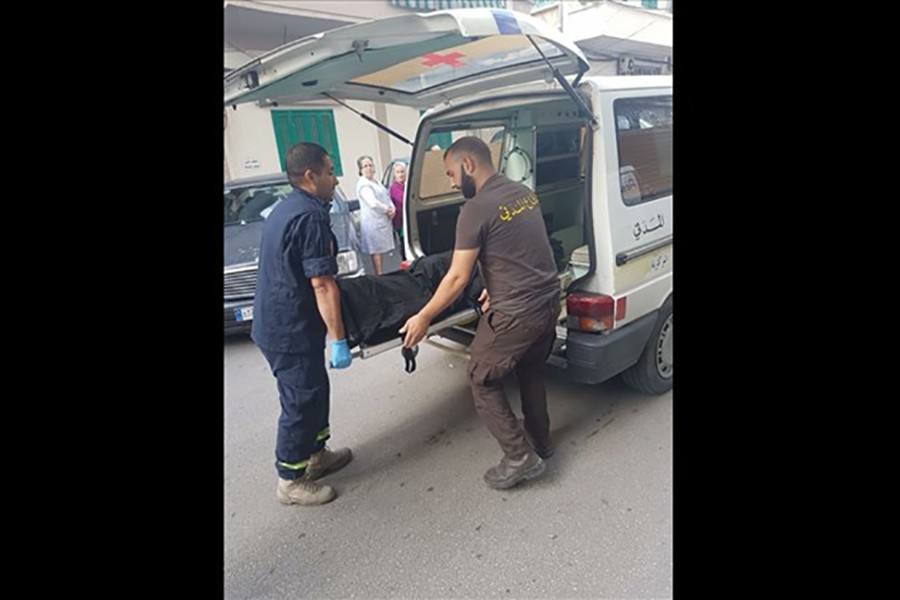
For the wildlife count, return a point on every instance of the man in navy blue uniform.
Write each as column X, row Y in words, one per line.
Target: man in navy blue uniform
column 297, row 301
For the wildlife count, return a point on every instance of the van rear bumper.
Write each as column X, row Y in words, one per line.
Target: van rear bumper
column 594, row 358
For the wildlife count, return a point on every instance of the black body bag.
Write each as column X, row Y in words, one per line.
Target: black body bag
column 375, row 307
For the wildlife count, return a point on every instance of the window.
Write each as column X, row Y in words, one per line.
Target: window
column 253, row 202
column 294, row 126
column 644, row 139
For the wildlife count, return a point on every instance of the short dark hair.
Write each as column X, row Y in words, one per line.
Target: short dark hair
column 472, row 146
column 303, row 156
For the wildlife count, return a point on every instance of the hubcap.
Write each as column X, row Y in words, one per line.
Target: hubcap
column 664, row 350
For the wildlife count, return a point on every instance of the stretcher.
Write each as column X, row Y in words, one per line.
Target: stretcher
column 464, row 317
column 469, row 315
column 375, row 308
column 450, row 332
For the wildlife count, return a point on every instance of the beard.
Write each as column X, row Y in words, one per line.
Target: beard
column 467, row 185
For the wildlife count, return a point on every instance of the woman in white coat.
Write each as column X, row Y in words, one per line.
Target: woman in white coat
column 376, row 212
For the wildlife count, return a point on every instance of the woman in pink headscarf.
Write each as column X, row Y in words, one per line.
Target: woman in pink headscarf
column 397, row 190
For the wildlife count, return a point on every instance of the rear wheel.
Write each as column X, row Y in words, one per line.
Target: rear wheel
column 652, row 373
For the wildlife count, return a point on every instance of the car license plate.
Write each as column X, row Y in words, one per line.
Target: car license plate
column 243, row 314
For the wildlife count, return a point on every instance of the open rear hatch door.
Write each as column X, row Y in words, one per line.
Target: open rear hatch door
column 416, row 60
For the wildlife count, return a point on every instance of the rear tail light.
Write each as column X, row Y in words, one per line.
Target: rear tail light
column 593, row 312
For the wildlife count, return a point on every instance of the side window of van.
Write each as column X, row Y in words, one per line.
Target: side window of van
column 644, row 140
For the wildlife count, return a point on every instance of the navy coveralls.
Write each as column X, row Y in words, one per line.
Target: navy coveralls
column 297, row 244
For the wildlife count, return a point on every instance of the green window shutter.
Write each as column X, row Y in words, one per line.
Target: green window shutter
column 282, row 123
column 649, row 3
column 441, row 139
column 329, row 140
column 294, row 126
column 306, row 125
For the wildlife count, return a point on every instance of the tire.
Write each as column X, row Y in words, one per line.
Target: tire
column 652, row 373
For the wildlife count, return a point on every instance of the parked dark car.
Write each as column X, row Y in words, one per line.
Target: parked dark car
column 247, row 204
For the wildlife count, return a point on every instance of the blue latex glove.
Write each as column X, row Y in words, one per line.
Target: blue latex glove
column 340, row 354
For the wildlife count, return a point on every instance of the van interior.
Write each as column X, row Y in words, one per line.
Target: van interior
column 543, row 144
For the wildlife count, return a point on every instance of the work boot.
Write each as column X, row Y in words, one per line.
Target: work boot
column 303, row 491
column 508, row 473
column 327, row 461
column 544, row 449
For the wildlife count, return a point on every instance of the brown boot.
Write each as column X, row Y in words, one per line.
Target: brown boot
column 508, row 473
column 327, row 461
column 303, row 491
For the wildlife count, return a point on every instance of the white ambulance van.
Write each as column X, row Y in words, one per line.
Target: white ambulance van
column 596, row 150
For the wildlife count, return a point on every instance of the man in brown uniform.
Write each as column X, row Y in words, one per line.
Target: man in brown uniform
column 501, row 226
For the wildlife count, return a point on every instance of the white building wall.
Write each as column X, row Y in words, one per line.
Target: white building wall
column 357, row 137
column 651, row 27
column 404, row 121
column 251, row 149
